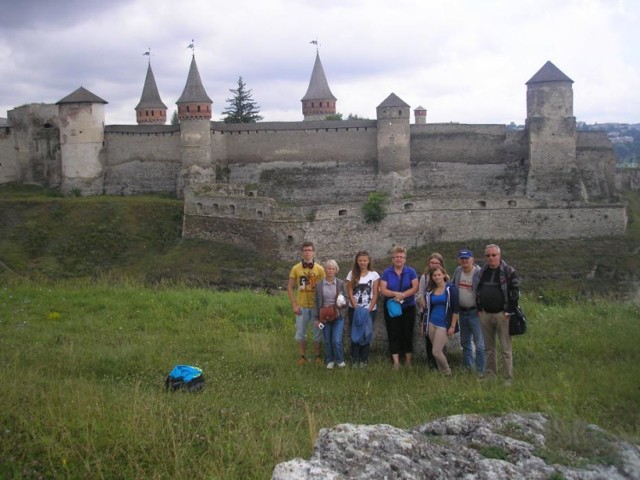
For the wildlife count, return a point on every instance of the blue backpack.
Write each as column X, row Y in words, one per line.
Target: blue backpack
column 184, row 377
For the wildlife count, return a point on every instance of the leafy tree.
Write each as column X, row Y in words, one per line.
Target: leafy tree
column 354, row 116
column 241, row 108
column 334, row 116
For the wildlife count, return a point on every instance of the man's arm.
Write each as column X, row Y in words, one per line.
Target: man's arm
column 292, row 295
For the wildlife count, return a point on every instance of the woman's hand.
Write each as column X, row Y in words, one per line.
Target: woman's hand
column 451, row 331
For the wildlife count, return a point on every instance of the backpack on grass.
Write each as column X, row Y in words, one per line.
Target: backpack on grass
column 184, row 377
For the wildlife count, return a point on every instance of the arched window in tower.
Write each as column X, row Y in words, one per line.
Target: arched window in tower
column 320, row 104
column 187, row 108
column 198, row 108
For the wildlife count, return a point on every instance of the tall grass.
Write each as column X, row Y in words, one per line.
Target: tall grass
column 84, row 362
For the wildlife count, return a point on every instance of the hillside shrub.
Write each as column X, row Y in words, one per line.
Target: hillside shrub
column 374, row 209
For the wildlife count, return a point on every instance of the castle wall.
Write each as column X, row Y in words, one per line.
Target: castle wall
column 142, row 159
column 32, row 154
column 153, row 143
column 453, row 159
column 339, row 230
column 460, row 143
column 596, row 162
column 334, row 141
column 303, row 162
column 9, row 169
column 628, row 178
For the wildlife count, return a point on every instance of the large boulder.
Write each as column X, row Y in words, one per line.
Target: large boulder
column 460, row 446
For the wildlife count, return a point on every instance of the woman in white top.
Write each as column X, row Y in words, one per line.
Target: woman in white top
column 362, row 285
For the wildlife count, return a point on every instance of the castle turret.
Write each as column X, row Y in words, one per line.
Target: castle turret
column 318, row 102
column 194, row 113
column 551, row 126
column 420, row 114
column 81, row 117
column 394, row 148
column 150, row 110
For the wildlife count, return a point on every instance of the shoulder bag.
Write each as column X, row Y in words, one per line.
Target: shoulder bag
column 517, row 322
column 329, row 313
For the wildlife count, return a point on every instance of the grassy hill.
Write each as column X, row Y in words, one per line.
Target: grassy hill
column 46, row 236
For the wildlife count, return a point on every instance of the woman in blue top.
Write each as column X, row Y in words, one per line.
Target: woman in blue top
column 441, row 314
column 399, row 283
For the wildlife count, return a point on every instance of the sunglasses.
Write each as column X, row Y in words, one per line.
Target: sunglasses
column 492, row 254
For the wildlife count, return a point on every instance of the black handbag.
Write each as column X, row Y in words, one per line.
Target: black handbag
column 517, row 322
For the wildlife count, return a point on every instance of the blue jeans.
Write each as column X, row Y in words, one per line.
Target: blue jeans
column 333, row 340
column 360, row 353
column 470, row 328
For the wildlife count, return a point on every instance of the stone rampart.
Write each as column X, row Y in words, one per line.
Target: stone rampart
column 155, row 143
column 9, row 170
column 596, row 162
column 339, row 230
column 141, row 159
column 628, row 178
column 317, row 142
column 458, row 143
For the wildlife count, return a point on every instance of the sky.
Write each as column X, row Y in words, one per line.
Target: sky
column 465, row 61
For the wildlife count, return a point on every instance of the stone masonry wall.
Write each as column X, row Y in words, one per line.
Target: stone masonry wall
column 9, row 169
column 141, row 159
column 316, row 142
column 339, row 230
column 596, row 162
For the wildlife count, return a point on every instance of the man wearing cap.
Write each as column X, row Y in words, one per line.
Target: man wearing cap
column 466, row 279
column 497, row 297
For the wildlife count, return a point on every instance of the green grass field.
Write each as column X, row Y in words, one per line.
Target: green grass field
column 84, row 364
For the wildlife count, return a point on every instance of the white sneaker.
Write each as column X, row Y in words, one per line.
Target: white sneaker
column 330, row 365
column 342, row 365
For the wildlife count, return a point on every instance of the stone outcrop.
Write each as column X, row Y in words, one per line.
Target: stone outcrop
column 460, row 446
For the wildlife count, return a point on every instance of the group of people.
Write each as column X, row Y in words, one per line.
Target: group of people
column 476, row 301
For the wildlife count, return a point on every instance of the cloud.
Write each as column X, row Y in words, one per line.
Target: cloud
column 465, row 61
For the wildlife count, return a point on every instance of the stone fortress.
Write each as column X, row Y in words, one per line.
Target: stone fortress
column 271, row 185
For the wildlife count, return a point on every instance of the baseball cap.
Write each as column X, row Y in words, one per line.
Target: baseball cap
column 465, row 253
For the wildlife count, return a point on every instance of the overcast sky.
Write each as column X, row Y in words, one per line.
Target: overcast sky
column 465, row 61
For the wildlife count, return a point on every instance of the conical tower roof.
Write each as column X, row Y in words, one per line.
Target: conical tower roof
column 318, row 85
column 549, row 73
column 194, row 91
column 150, row 95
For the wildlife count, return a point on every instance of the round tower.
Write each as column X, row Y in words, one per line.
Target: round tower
column 551, row 128
column 81, row 117
column 318, row 102
column 151, row 110
column 420, row 114
column 194, row 113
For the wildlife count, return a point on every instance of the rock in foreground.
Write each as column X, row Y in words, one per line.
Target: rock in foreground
column 460, row 446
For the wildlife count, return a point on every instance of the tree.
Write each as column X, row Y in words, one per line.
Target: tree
column 174, row 118
column 241, row 108
column 334, row 116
